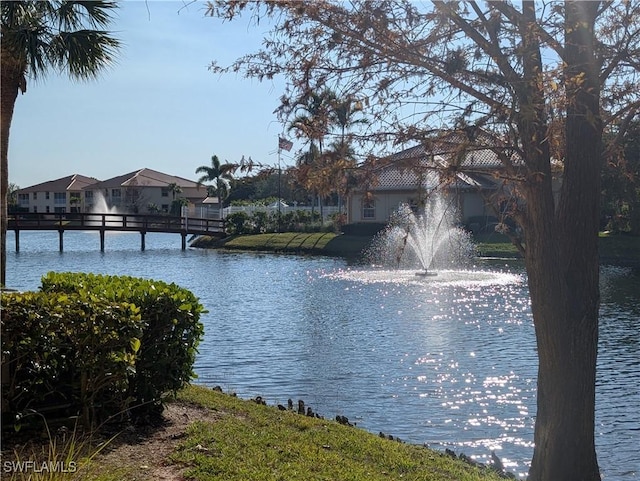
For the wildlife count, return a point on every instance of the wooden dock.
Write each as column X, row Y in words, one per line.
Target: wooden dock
column 141, row 223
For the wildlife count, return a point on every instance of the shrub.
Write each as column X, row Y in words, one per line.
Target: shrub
column 261, row 222
column 115, row 343
column 237, row 223
column 68, row 353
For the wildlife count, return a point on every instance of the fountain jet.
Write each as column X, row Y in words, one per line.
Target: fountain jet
column 426, row 239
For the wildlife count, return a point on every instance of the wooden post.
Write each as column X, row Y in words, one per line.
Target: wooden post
column 61, row 239
column 184, row 240
column 17, row 240
column 102, row 238
column 142, row 233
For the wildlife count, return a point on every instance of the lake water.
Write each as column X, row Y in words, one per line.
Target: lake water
column 449, row 361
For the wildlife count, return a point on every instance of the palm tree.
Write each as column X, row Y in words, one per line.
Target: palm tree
column 220, row 176
column 174, row 188
column 341, row 160
column 314, row 117
column 343, row 113
column 313, row 123
column 153, row 208
column 177, row 205
column 12, row 195
column 38, row 37
column 342, row 153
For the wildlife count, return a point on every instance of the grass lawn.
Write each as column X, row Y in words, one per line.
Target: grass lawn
column 495, row 245
column 209, row 435
column 615, row 249
column 250, row 441
column 327, row 243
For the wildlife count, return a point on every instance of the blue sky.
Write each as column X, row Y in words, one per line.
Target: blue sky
column 159, row 107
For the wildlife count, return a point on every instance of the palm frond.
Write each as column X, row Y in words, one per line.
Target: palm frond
column 83, row 53
column 59, row 35
column 74, row 14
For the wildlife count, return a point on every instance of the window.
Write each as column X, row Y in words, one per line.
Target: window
column 165, row 208
column 46, row 195
column 165, row 192
column 47, row 209
column 35, row 208
column 35, row 196
column 132, row 195
column 368, row 209
column 116, row 196
column 88, row 195
column 59, row 210
column 60, row 198
column 23, row 199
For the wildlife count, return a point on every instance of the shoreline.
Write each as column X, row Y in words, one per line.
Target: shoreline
column 620, row 250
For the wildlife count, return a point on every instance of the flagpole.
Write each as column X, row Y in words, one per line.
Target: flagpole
column 279, row 194
column 285, row 144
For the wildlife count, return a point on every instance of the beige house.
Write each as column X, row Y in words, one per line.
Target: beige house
column 143, row 191
column 147, row 191
column 55, row 196
column 465, row 175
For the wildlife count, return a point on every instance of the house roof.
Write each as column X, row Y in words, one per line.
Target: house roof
column 419, row 166
column 145, row 178
column 456, row 148
column 191, row 190
column 73, row 182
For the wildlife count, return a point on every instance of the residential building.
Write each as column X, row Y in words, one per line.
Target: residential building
column 55, row 196
column 143, row 191
column 469, row 174
column 147, row 191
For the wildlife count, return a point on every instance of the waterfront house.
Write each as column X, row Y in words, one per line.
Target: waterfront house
column 55, row 196
column 147, row 191
column 470, row 173
column 144, row 191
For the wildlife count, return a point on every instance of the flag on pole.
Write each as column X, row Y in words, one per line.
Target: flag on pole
column 284, row 144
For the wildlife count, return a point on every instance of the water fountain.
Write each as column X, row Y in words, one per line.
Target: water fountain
column 101, row 207
column 423, row 240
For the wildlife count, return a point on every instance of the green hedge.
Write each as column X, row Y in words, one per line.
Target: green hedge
column 261, row 222
column 98, row 345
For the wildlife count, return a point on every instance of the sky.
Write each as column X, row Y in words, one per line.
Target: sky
column 159, row 107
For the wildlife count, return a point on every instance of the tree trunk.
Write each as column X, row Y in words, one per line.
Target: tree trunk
column 563, row 269
column 11, row 78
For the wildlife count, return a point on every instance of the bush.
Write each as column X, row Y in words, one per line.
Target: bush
column 68, row 353
column 118, row 343
column 261, row 222
column 237, row 223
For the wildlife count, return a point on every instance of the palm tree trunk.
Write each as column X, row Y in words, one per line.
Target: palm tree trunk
column 12, row 79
